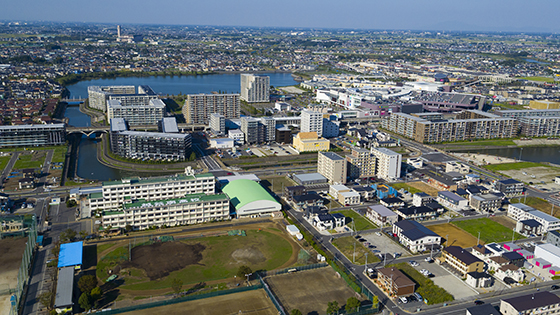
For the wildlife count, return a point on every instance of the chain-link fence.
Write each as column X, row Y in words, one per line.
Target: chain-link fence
column 25, row 267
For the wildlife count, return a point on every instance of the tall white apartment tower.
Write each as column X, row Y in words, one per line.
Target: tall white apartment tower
column 255, row 89
column 312, row 121
column 388, row 163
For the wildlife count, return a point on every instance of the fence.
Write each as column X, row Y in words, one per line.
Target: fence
column 182, row 299
column 272, row 297
column 299, row 268
column 23, row 272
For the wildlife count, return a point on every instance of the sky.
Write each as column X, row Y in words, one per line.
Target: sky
column 437, row 15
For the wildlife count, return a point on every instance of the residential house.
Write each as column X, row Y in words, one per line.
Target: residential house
column 543, row 302
column 452, row 201
column 415, row 236
column 416, row 213
column 510, row 187
column 394, row 282
column 392, row 202
column 479, row 279
column 381, row 215
column 510, row 271
column 421, row 198
column 461, row 260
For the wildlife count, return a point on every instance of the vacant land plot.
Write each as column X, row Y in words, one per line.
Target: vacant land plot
column 210, row 258
column 426, row 287
column 455, row 236
column 276, row 183
column 505, row 221
column 310, row 291
column 490, row 231
column 354, row 250
column 254, row 302
column 540, row 176
column 424, row 187
column 406, row 187
column 512, row 166
column 30, row 159
column 360, row 222
column 10, row 260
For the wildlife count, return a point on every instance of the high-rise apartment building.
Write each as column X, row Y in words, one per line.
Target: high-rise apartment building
column 149, row 114
column 198, row 107
column 332, row 166
column 312, row 121
column 269, row 128
column 218, row 124
column 250, row 127
column 98, row 96
column 32, row 135
column 255, row 89
column 361, row 163
column 331, row 128
column 388, row 163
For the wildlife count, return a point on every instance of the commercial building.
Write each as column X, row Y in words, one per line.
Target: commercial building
column 310, row 142
column 452, row 201
column 312, row 122
column 255, row 89
column 149, row 114
column 148, row 145
column 361, row 163
column 549, row 253
column 332, row 166
column 218, row 124
column 250, row 199
column 32, row 135
column 388, row 163
column 115, row 193
column 461, row 260
column 510, row 187
column 381, row 215
column 310, row 179
column 415, row 236
column 521, row 212
column 535, row 303
column 394, row 282
column 221, row 143
column 472, row 124
column 199, row 107
column 237, row 135
column 190, row 209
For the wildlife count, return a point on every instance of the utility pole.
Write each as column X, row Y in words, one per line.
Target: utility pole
column 366, row 264
column 354, row 255
column 512, row 235
column 478, row 239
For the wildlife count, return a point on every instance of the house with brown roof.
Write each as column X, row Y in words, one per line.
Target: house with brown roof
column 394, row 282
column 461, row 260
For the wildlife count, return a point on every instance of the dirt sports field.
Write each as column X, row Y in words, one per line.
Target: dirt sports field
column 311, row 290
column 457, row 237
column 254, row 302
column 10, row 259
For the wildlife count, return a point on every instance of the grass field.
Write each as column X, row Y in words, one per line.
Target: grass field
column 481, row 143
column 346, row 246
column 505, row 221
column 425, row 287
column 30, row 160
column 512, row 166
column 254, row 302
column 539, row 204
column 425, row 188
column 490, row 231
column 539, row 79
column 455, row 236
column 276, row 183
column 407, row 187
column 4, row 161
column 361, row 222
column 261, row 250
column 310, row 291
column 103, row 247
column 59, row 153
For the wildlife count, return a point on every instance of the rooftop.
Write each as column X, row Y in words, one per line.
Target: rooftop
column 64, row 287
column 193, row 198
column 70, row 254
column 148, row 180
column 532, row 301
column 462, row 254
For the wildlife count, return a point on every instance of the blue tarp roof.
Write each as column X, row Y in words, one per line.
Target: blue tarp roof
column 70, row 254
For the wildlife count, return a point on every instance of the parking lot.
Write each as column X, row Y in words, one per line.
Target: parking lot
column 447, row 281
column 384, row 245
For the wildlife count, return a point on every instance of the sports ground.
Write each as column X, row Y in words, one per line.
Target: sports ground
column 10, row 260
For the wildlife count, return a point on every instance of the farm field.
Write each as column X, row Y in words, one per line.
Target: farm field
column 456, row 236
column 310, row 291
column 250, row 302
column 490, row 231
column 361, row 222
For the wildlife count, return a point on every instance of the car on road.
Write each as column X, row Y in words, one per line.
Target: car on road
column 376, row 251
column 429, row 259
column 554, row 287
column 357, row 236
column 478, row 302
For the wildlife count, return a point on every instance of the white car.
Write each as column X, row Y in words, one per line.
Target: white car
column 413, row 263
column 424, row 272
column 378, row 233
column 403, row 299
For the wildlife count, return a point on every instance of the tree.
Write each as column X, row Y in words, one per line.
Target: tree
column 352, row 304
column 71, row 203
column 96, row 294
column 295, row 311
column 85, row 301
column 332, row 308
column 46, row 298
column 243, row 270
column 87, row 283
column 68, row 235
column 128, row 228
column 177, row 285
column 83, row 234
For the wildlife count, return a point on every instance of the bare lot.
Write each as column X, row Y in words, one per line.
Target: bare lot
column 536, row 175
column 251, row 302
column 310, row 291
column 505, row 221
column 424, row 187
column 455, row 236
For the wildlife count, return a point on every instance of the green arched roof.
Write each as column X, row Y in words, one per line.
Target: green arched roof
column 244, row 191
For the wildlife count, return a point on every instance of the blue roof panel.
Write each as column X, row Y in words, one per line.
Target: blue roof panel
column 70, row 254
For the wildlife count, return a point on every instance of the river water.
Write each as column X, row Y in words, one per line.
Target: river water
column 89, row 168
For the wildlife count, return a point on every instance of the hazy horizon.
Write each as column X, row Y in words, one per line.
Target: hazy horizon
column 427, row 15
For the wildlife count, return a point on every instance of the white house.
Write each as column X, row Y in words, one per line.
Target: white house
column 452, row 201
column 415, row 236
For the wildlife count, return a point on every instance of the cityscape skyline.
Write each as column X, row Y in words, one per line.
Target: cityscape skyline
column 429, row 15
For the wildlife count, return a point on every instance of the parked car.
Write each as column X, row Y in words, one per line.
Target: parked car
column 403, row 299
column 478, row 302
column 413, row 263
column 429, row 259
column 554, row 287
